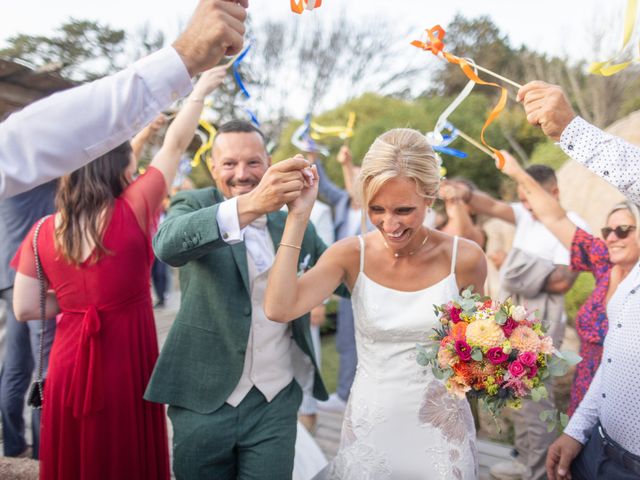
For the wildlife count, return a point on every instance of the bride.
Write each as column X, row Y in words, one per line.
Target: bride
column 400, row 422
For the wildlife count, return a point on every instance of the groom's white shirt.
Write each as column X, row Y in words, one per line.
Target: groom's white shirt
column 271, row 352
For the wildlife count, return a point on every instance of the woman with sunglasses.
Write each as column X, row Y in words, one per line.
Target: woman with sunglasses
column 610, row 259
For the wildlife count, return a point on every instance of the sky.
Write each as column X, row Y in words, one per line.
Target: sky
column 552, row 26
column 557, row 27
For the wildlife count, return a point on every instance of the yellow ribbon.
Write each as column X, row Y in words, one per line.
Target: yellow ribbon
column 318, row 132
column 608, row 67
column 205, row 147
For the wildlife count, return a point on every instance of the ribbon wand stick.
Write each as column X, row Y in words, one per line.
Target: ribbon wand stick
column 476, row 144
column 499, row 77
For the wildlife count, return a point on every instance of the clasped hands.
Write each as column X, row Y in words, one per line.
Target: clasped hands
column 292, row 182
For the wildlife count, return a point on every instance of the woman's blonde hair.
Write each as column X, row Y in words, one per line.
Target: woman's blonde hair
column 401, row 152
column 632, row 208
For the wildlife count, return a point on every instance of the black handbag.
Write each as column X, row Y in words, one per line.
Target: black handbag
column 35, row 398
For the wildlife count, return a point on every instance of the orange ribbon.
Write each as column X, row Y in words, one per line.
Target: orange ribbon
column 298, row 6
column 435, row 45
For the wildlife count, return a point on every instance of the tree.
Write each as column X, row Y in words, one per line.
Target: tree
column 84, row 50
column 80, row 49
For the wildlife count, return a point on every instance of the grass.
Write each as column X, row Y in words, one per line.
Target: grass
column 330, row 362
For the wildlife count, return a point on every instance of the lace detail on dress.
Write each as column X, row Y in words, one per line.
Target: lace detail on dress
column 360, row 461
column 444, row 412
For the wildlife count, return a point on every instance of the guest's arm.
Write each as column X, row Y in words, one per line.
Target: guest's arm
column 608, row 156
column 61, row 133
column 482, row 203
column 181, row 131
column 345, row 160
column 545, row 207
column 327, row 189
column 142, row 138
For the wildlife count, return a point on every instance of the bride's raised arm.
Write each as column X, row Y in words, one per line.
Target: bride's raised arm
column 289, row 296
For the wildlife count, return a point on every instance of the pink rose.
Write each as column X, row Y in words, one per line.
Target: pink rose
column 509, row 326
column 463, row 350
column 496, row 356
column 516, row 369
column 454, row 314
column 533, row 371
column 528, row 359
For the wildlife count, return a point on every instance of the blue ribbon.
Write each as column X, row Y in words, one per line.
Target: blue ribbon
column 447, row 139
column 450, row 151
column 302, row 139
column 236, row 74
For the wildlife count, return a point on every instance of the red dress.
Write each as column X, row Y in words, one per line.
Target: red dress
column 95, row 422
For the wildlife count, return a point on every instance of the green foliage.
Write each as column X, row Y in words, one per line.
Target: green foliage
column 80, row 49
column 574, row 298
column 377, row 114
column 548, row 153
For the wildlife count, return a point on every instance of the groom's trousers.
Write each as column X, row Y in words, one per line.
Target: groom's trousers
column 253, row 441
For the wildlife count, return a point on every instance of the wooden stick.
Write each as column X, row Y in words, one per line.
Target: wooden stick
column 476, row 144
column 499, row 77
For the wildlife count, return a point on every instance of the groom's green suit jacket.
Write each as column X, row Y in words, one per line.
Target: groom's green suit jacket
column 203, row 356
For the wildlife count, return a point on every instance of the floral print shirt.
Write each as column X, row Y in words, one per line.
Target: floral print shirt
column 589, row 253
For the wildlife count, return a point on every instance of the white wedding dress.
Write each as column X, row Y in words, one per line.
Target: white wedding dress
column 400, row 422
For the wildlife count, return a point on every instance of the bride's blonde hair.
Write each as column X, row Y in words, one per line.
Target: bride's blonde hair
column 401, row 152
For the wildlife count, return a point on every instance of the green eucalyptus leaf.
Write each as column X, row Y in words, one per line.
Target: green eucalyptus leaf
column 558, row 367
column 501, row 317
column 535, row 395
column 476, row 354
column 564, row 419
column 571, row 358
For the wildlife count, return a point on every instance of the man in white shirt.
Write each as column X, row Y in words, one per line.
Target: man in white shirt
column 602, row 439
column 535, row 240
column 60, row 133
column 232, row 377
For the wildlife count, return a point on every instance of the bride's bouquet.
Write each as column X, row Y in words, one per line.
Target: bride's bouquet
column 498, row 352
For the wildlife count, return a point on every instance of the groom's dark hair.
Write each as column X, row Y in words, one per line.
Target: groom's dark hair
column 240, row 126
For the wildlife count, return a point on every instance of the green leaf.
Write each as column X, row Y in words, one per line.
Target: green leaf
column 544, row 415
column 476, row 354
column 571, row 358
column 551, row 426
column 558, row 367
column 564, row 419
column 422, row 359
column 535, row 395
column 542, row 390
column 501, row 317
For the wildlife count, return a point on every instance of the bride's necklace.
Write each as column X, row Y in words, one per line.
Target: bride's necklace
column 408, row 254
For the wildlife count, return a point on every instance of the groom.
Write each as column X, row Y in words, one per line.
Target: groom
column 230, row 376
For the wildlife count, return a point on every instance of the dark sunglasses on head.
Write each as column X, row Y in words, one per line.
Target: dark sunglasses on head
column 621, row 231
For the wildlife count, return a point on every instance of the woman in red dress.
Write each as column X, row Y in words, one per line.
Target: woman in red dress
column 96, row 256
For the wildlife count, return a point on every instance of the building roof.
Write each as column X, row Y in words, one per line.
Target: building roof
column 20, row 85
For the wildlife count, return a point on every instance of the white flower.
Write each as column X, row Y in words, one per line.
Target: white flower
column 519, row 313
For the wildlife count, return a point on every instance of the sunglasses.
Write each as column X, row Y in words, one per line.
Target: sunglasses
column 621, row 231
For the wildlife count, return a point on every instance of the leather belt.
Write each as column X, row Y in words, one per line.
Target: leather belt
column 619, row 454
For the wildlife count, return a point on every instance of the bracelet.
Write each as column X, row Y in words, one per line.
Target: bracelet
column 282, row 244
